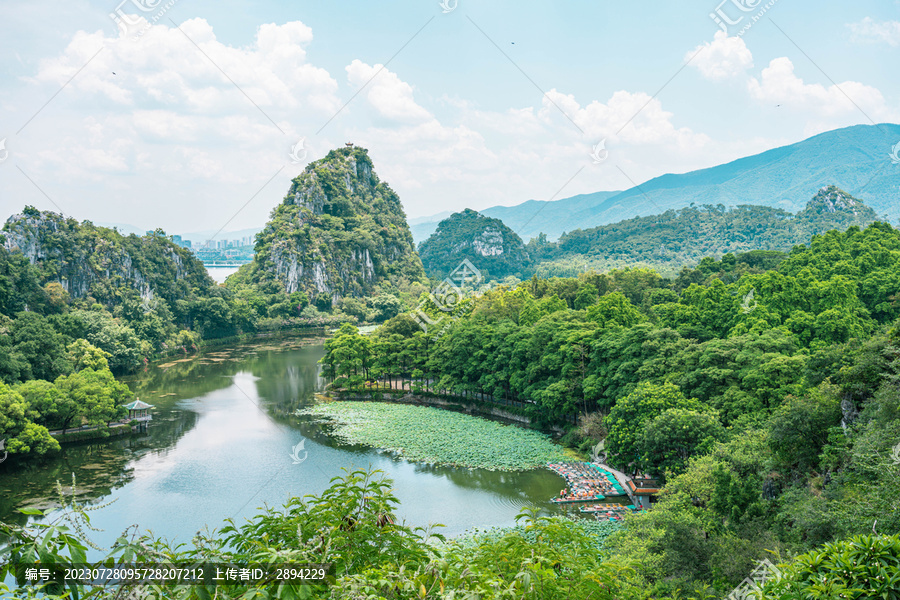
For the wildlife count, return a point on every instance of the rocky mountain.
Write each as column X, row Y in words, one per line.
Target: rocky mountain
column 678, row 237
column 87, row 260
column 340, row 231
column 856, row 159
column 491, row 246
column 528, row 219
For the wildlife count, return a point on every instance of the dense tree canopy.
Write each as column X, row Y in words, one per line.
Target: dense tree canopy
column 763, row 389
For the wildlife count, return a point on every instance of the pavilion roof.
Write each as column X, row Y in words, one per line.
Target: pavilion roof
column 138, row 405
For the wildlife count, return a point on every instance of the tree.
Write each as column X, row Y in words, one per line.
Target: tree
column 13, row 366
column 84, row 355
column 40, row 345
column 323, row 301
column 628, row 418
column 670, row 439
column 387, row 306
column 212, row 317
column 99, row 397
column 354, row 307
column 613, row 310
column 798, row 430
column 587, row 296
column 21, row 434
column 57, row 296
column 46, row 405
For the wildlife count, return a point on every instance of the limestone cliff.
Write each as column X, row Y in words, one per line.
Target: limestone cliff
column 339, row 231
column 95, row 261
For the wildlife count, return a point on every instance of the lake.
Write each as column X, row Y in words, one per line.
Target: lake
column 220, row 274
column 220, row 446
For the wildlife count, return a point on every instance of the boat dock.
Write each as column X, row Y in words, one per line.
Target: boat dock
column 588, row 482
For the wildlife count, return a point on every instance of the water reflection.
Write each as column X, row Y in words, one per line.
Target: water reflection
column 220, row 444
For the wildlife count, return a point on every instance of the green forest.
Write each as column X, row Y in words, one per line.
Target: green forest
column 764, row 388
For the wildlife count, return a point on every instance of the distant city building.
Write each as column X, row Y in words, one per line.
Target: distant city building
column 177, row 239
column 186, row 244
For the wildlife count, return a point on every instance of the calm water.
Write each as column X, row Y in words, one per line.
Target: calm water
column 220, row 445
column 220, row 274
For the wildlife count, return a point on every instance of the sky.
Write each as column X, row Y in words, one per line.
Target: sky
column 195, row 115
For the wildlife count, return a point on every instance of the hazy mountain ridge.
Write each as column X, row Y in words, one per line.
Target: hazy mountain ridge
column 855, row 159
column 684, row 236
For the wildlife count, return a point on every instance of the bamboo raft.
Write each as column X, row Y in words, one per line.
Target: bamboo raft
column 576, row 499
column 613, row 512
column 586, row 482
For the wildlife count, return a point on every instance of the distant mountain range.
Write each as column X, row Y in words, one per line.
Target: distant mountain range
column 666, row 242
column 676, row 238
column 855, row 159
column 555, row 217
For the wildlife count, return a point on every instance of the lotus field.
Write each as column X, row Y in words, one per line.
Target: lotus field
column 436, row 436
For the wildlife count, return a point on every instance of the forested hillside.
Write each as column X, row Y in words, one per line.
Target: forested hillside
column 764, row 388
column 80, row 304
column 678, row 237
column 490, row 244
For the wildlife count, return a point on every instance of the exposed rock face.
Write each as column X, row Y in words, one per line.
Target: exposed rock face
column 849, row 413
column 339, row 231
column 832, row 199
column 490, row 245
column 81, row 257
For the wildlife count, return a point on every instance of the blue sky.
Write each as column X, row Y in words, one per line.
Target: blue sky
column 488, row 103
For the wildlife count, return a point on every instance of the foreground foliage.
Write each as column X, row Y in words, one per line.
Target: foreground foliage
column 352, row 525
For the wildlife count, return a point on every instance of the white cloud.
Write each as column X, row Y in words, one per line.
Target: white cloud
column 629, row 118
column 391, row 97
column 778, row 84
column 869, row 30
column 170, row 139
column 164, row 68
column 723, row 58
